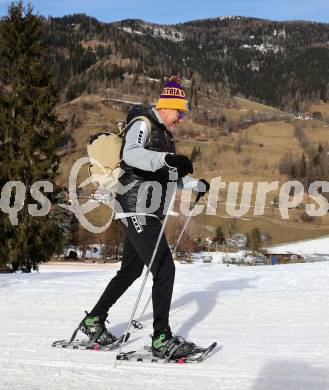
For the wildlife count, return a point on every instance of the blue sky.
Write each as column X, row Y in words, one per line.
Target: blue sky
column 176, row 11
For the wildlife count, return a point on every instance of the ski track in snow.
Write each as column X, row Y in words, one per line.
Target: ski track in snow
column 272, row 324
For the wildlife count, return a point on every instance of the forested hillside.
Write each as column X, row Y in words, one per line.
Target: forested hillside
column 283, row 64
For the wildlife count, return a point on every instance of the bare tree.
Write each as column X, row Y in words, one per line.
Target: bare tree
column 111, row 241
column 83, row 239
column 173, row 231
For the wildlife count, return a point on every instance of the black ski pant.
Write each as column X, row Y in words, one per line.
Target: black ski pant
column 138, row 247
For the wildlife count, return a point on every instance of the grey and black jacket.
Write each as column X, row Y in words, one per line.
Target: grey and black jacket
column 146, row 183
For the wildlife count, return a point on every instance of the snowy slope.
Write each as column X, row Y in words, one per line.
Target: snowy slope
column 317, row 246
column 272, row 322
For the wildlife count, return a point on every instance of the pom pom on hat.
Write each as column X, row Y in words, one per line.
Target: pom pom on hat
column 175, row 79
column 173, row 95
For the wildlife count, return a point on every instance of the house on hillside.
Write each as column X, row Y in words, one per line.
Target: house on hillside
column 305, row 116
column 301, row 251
column 283, row 258
column 237, row 240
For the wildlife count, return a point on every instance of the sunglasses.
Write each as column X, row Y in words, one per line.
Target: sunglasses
column 181, row 114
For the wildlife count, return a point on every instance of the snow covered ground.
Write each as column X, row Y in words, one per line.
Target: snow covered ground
column 317, row 246
column 272, row 324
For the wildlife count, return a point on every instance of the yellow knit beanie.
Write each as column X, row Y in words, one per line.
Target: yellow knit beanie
column 173, row 96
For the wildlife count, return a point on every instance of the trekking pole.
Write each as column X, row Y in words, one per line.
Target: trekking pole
column 187, row 221
column 147, row 273
column 137, row 323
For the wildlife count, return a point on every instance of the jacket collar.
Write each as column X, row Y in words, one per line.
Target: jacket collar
column 155, row 111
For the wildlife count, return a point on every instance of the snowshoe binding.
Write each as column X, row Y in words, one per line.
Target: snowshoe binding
column 167, row 346
column 94, row 328
column 99, row 337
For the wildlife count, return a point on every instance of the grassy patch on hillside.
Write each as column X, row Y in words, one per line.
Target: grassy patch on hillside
column 252, row 154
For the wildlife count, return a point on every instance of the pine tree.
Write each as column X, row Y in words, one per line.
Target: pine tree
column 220, row 236
column 29, row 136
column 255, row 240
column 317, row 160
column 320, row 149
column 293, row 171
column 247, row 244
column 302, row 167
column 196, row 153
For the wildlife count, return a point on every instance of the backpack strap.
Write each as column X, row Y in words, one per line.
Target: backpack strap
column 137, row 118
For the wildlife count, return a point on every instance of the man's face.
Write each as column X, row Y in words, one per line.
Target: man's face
column 171, row 117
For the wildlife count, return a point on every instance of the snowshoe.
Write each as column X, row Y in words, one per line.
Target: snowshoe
column 197, row 356
column 99, row 337
column 167, row 346
column 94, row 328
column 90, row 345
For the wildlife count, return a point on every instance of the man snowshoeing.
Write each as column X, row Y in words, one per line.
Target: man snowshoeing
column 148, row 161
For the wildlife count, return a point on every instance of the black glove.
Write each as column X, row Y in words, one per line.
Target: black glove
column 182, row 163
column 203, row 187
